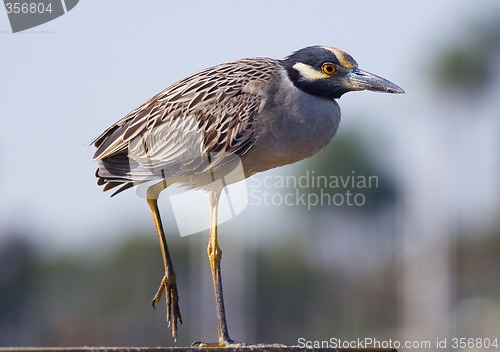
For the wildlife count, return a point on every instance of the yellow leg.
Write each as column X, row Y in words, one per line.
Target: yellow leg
column 214, row 256
column 168, row 283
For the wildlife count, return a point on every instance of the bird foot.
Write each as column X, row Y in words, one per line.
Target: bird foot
column 169, row 287
column 228, row 343
column 223, row 343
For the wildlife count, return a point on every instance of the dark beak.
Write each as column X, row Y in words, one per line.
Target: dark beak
column 357, row 79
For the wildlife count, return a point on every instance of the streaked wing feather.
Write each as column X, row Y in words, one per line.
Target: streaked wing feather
column 197, row 124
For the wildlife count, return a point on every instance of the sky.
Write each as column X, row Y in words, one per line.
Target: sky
column 64, row 82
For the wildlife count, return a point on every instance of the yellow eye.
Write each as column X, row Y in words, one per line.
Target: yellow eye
column 328, row 68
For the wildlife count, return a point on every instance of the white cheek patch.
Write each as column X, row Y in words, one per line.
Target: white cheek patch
column 309, row 72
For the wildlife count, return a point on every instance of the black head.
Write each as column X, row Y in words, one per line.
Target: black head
column 329, row 72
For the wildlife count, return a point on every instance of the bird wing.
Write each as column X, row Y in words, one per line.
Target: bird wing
column 195, row 125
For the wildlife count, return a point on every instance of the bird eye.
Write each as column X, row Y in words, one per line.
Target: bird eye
column 328, row 68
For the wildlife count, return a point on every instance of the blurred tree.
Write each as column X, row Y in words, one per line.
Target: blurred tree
column 18, row 265
column 469, row 67
column 465, row 72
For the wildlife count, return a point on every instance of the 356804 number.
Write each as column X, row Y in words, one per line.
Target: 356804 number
column 474, row 343
column 27, row 7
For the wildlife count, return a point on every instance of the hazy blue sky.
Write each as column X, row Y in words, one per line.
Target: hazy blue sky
column 62, row 83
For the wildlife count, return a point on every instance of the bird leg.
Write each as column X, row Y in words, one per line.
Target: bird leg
column 214, row 257
column 168, row 283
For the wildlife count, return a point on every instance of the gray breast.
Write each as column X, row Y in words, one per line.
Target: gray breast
column 293, row 125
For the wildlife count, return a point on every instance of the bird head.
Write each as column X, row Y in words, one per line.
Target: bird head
column 330, row 72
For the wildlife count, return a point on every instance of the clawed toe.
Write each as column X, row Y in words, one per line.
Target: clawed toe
column 168, row 287
column 224, row 343
column 235, row 344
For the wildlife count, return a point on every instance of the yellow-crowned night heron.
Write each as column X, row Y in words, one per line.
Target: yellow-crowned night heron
column 261, row 112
